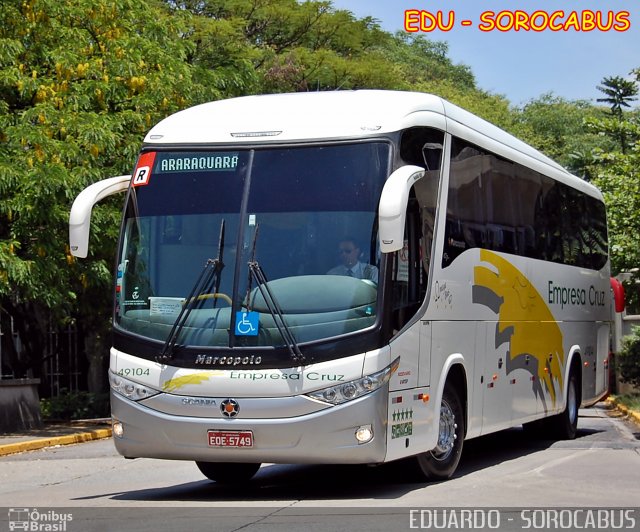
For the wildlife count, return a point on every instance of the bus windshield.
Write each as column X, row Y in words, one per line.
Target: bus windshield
column 306, row 215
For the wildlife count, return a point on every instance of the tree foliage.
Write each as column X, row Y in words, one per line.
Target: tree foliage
column 617, row 174
column 80, row 83
column 558, row 128
column 619, row 92
column 628, row 358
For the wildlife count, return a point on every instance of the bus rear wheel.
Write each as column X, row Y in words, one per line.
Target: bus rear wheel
column 440, row 463
column 564, row 426
column 228, row 472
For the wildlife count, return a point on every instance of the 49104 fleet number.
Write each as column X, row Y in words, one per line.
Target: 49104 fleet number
column 133, row 372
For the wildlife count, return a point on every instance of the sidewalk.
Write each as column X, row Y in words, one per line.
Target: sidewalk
column 53, row 434
column 631, row 414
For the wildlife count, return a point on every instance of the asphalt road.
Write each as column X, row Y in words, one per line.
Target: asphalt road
column 600, row 468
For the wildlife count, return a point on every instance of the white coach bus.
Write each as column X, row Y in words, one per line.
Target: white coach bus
column 348, row 277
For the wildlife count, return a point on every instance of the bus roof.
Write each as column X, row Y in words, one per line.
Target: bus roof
column 335, row 115
column 294, row 117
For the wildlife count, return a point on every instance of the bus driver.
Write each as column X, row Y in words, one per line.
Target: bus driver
column 351, row 266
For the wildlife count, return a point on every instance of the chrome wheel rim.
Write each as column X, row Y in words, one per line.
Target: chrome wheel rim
column 447, row 432
column 572, row 402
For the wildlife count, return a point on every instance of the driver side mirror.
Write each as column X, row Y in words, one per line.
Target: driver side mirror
column 80, row 216
column 392, row 210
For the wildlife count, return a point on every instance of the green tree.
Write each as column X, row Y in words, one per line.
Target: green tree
column 617, row 174
column 300, row 46
column 628, row 359
column 616, row 171
column 289, row 45
column 619, row 93
column 80, row 83
column 558, row 127
column 421, row 60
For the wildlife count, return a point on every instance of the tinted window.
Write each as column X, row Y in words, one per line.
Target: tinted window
column 502, row 206
column 306, row 215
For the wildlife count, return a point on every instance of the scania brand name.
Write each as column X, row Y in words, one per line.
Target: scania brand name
column 192, row 401
column 210, row 360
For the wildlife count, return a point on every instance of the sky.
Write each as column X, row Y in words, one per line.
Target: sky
column 524, row 65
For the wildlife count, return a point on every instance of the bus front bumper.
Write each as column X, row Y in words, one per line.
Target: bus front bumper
column 326, row 436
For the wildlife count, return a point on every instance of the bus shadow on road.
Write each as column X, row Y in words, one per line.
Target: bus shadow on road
column 330, row 482
column 499, row 447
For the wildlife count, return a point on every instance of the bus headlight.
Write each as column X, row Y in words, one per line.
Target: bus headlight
column 357, row 388
column 131, row 390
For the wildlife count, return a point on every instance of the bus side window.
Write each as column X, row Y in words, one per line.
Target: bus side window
column 454, row 240
column 423, row 146
column 409, row 278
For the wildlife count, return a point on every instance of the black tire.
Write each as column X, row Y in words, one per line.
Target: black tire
column 564, row 426
column 228, row 472
column 441, row 463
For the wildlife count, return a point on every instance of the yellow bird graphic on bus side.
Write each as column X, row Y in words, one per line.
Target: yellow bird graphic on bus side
column 525, row 322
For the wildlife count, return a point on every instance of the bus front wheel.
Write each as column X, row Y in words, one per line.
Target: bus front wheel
column 440, row 463
column 228, row 472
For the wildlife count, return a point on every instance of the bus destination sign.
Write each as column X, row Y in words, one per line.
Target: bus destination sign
column 197, row 162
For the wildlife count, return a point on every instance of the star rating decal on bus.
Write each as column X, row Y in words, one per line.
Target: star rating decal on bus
column 402, row 415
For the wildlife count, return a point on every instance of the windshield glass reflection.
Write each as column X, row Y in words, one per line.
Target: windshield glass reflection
column 305, row 215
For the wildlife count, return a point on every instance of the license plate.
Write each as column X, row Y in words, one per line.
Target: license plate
column 230, row 438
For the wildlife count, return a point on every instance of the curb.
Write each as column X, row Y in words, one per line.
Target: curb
column 632, row 414
column 32, row 445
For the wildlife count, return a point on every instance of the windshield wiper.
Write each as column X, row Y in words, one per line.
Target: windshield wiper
column 256, row 272
column 208, row 280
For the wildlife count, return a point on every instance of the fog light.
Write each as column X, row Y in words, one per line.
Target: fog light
column 364, row 434
column 118, row 429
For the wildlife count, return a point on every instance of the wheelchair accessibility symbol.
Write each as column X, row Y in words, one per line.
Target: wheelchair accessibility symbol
column 247, row 323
